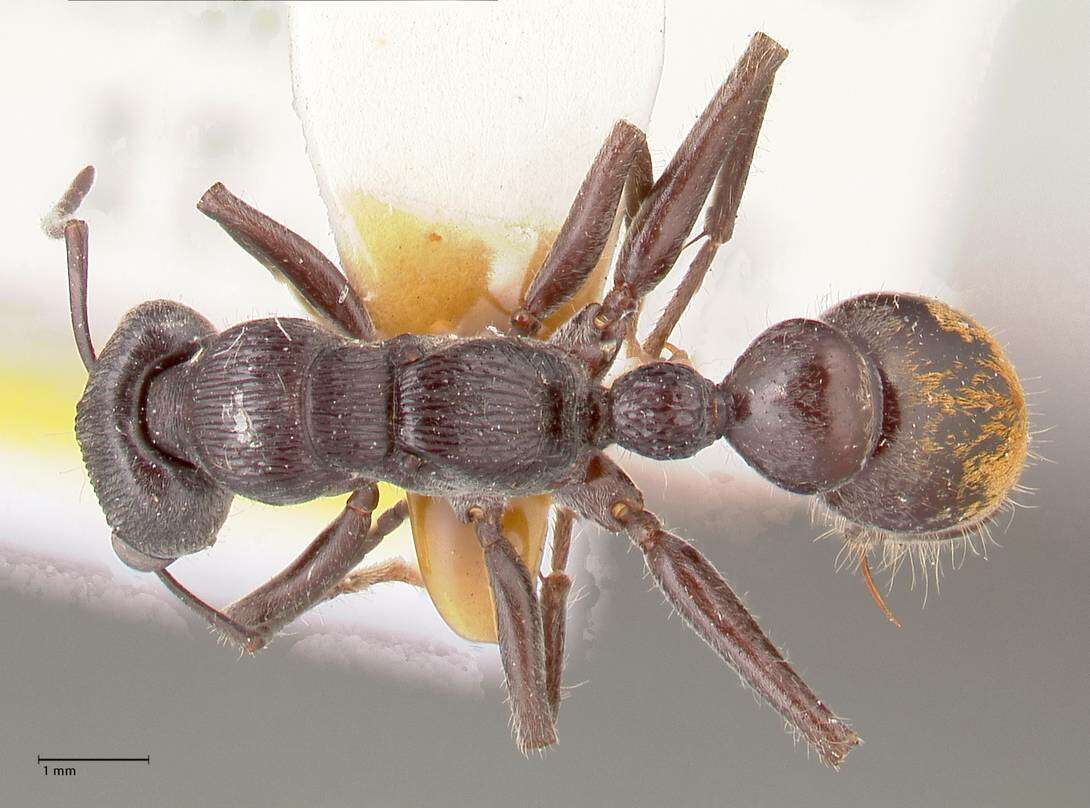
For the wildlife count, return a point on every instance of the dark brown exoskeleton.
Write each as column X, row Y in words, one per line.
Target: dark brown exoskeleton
column 901, row 414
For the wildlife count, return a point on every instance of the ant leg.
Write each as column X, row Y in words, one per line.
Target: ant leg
column 590, row 341
column 554, row 602
column 309, row 579
column 518, row 618
column 658, row 233
column 288, row 255
column 390, row 571
column 253, row 620
column 393, row 570
column 59, row 224
column 622, row 164
column 696, row 589
column 250, row 639
column 718, row 220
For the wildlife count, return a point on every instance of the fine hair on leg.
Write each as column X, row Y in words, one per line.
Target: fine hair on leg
column 518, row 620
column 696, row 589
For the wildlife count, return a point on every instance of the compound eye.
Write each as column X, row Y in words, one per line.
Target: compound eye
column 806, row 406
column 954, row 433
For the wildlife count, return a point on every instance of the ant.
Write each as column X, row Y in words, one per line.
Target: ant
column 900, row 414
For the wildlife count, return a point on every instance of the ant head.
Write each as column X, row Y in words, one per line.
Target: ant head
column 804, row 406
column 954, row 433
column 159, row 506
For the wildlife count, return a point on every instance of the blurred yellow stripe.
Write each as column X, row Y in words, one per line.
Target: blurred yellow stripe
column 38, row 408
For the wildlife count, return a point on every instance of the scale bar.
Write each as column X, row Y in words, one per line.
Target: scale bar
column 94, row 760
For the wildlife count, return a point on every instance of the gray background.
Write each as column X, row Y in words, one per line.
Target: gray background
column 980, row 700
